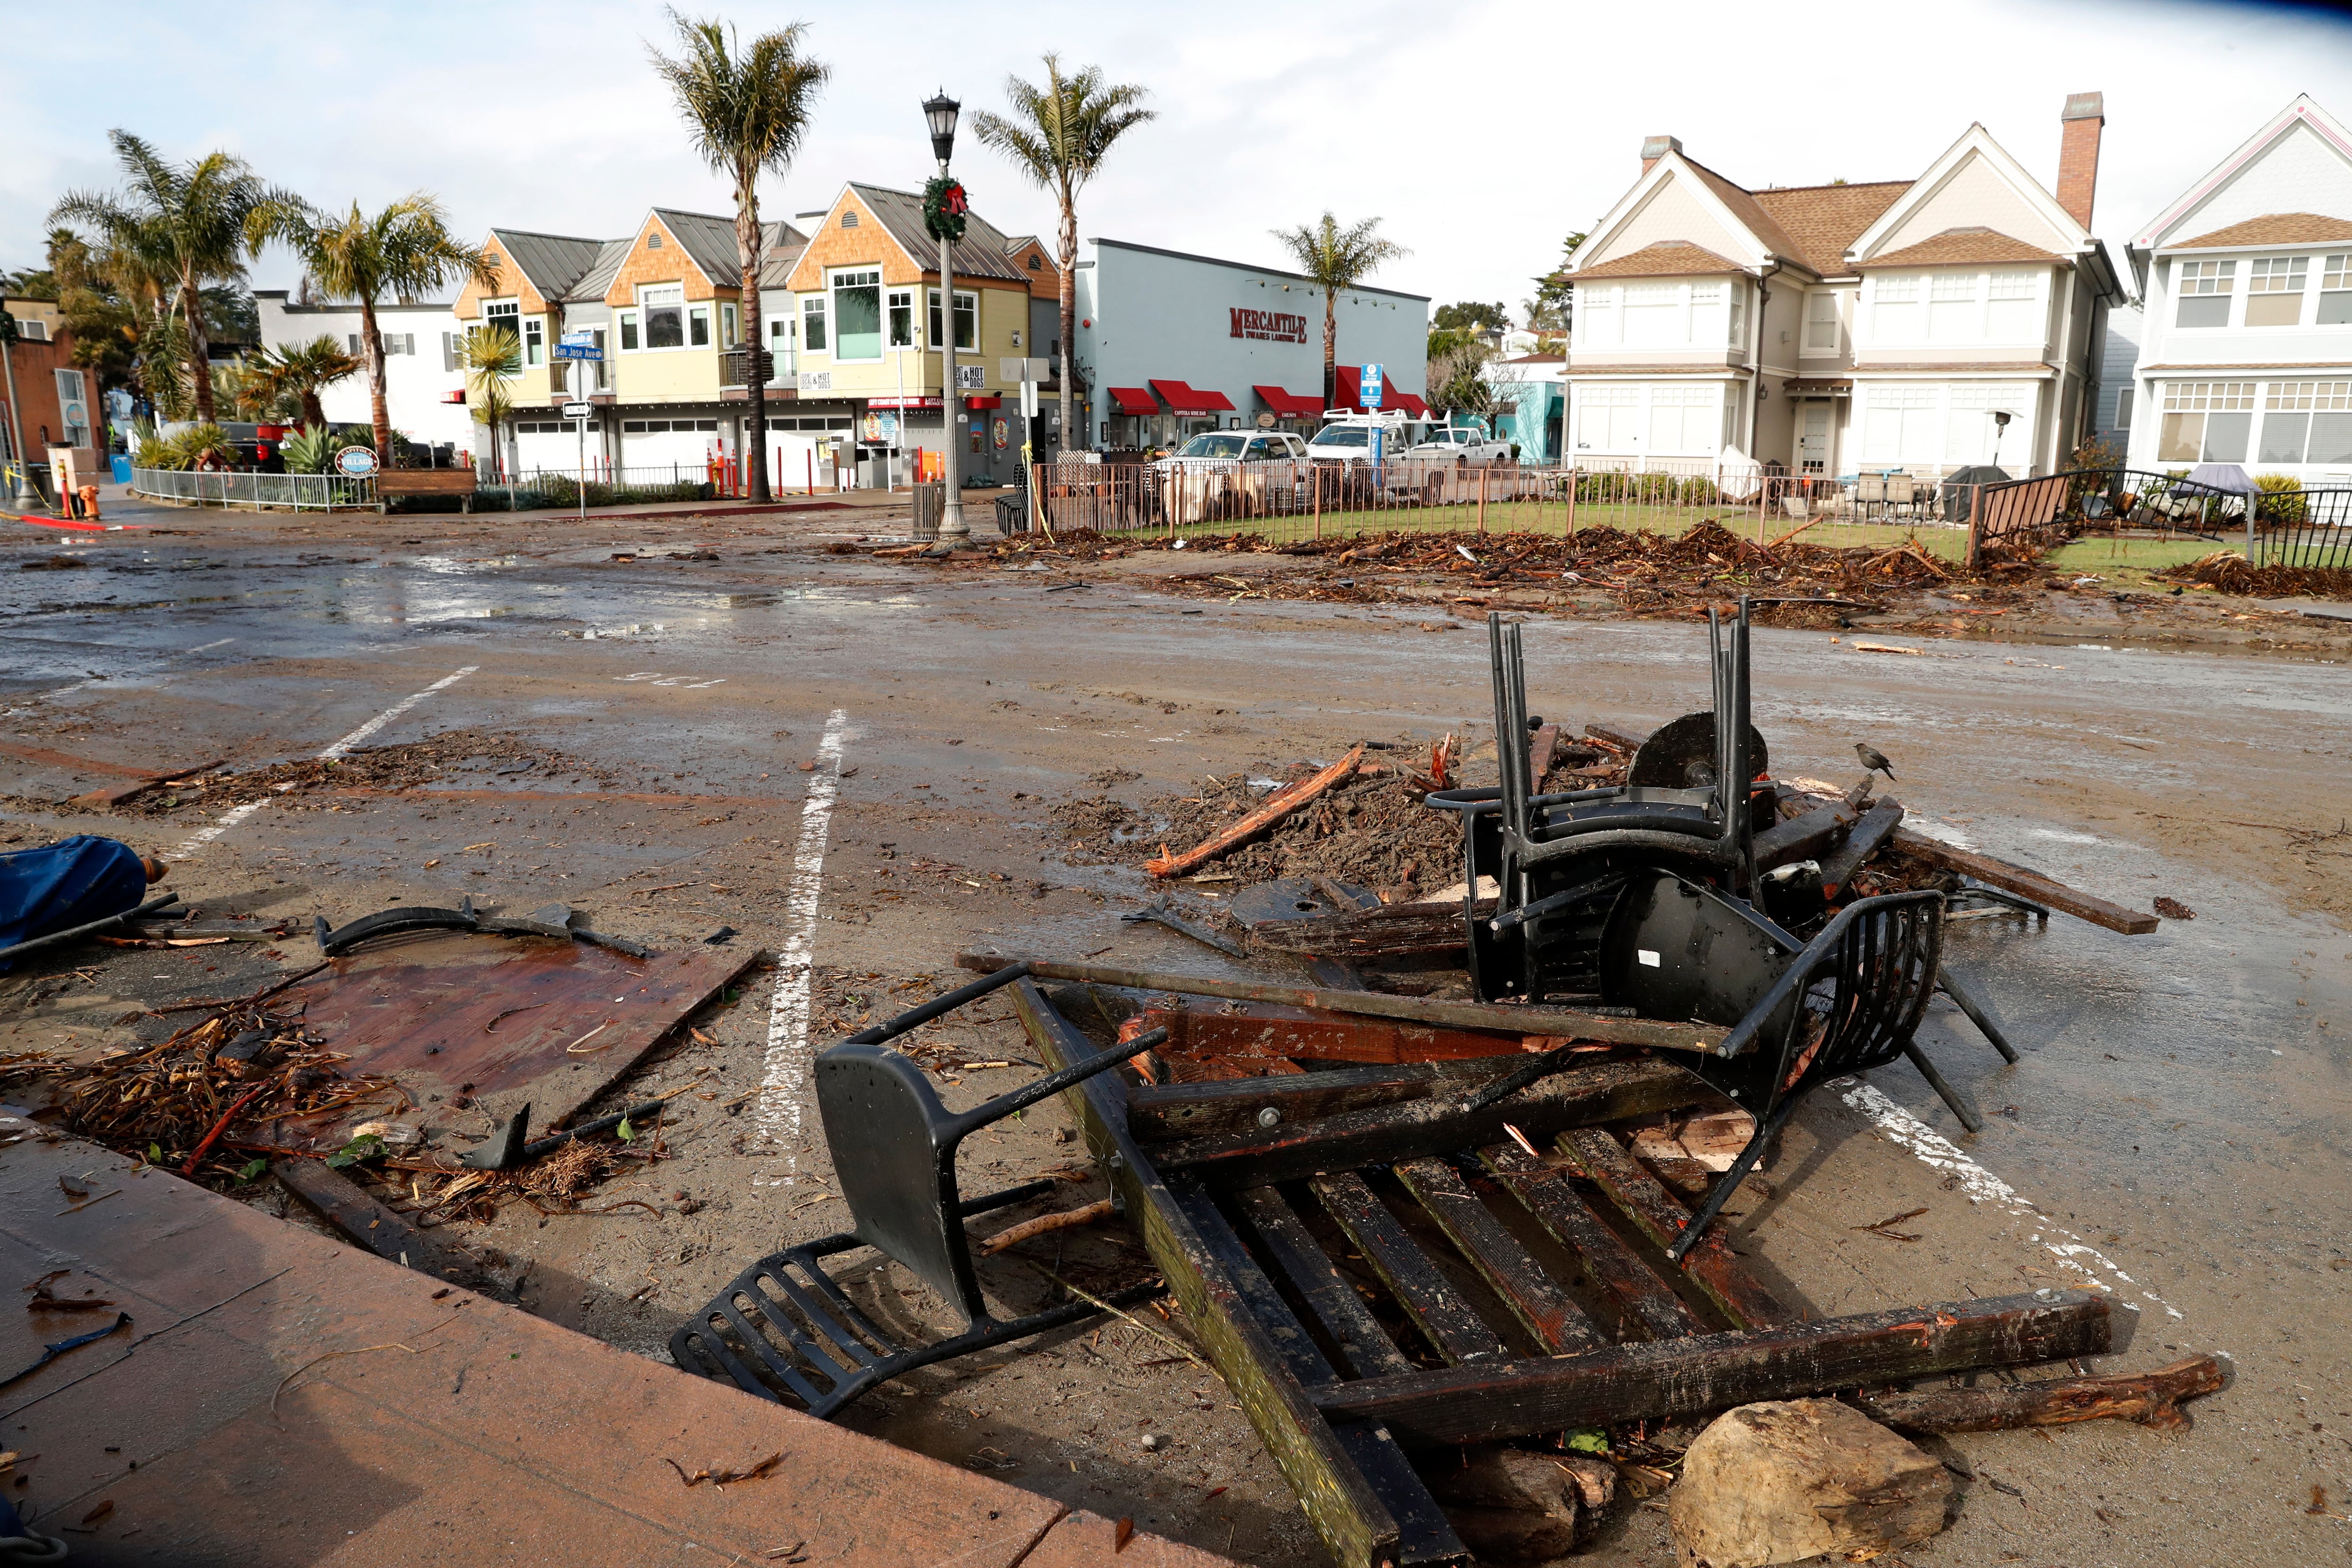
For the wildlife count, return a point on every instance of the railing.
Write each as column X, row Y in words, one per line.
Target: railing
column 297, row 492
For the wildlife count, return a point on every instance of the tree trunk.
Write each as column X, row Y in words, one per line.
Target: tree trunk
column 755, row 426
column 199, row 369
column 1330, row 348
column 372, row 346
column 1068, row 293
column 314, row 413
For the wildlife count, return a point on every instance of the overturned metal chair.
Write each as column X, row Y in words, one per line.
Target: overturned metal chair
column 783, row 1325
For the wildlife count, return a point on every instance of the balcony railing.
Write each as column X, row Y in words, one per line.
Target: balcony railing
column 735, row 368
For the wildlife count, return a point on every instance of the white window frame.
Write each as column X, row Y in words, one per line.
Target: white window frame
column 816, row 317
column 784, row 341
column 730, row 330
column 1597, row 323
column 2335, row 291
column 534, row 340
column 2205, row 277
column 893, row 301
column 647, row 304
column 500, row 313
column 626, row 327
column 869, row 276
column 932, row 322
column 2016, row 286
column 2293, row 276
column 1901, row 290
column 1816, row 318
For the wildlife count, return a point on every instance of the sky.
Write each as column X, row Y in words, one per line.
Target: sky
column 1480, row 133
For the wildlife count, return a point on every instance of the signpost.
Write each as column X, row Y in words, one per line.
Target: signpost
column 1372, row 383
column 580, row 349
column 355, row 462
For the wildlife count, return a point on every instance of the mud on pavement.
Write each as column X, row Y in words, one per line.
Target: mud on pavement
column 866, row 765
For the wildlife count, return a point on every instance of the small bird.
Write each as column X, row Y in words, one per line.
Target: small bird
column 1873, row 758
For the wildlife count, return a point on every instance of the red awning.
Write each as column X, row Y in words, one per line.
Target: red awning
column 1411, row 405
column 1133, row 400
column 1352, row 394
column 989, row 400
column 1288, row 403
column 1183, row 399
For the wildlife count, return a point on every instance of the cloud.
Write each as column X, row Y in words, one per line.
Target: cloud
column 1481, row 135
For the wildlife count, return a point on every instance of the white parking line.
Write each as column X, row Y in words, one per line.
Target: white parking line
column 1981, row 1186
column 786, row 1082
column 238, row 814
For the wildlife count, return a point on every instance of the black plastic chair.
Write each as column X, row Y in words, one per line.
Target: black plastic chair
column 783, row 1324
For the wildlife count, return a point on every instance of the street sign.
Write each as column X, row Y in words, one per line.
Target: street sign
column 1373, row 385
column 578, row 345
column 580, row 411
column 1029, row 400
column 355, row 462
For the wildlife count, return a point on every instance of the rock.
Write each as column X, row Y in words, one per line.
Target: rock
column 1780, row 1482
column 1511, row 1506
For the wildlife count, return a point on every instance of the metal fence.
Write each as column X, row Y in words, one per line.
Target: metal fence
column 296, row 492
column 2283, row 527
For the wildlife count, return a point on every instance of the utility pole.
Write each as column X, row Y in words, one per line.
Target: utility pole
column 941, row 113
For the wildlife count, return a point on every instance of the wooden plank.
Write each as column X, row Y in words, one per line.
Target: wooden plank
column 1242, row 1029
column 1647, row 1306
column 1559, row 1021
column 1661, row 1217
column 1606, row 1092
column 1869, row 835
column 359, row 1219
column 2028, row 884
column 1658, row 1379
column 1333, row 1490
column 1366, row 1345
column 1281, row 804
column 1551, row 1314
column 1155, row 1112
column 1439, row 1312
column 1541, row 749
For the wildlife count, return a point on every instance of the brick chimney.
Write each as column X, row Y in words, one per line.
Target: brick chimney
column 2078, row 154
column 1656, row 147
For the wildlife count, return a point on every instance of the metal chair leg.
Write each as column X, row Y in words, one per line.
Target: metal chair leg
column 1974, row 1008
column 1936, row 1081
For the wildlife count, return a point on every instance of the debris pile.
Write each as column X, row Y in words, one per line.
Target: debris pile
column 2231, row 573
column 486, row 754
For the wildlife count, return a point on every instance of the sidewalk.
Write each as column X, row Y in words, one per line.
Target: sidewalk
column 280, row 1398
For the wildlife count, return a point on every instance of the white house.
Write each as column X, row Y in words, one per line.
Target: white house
column 424, row 385
column 2246, row 355
column 1831, row 329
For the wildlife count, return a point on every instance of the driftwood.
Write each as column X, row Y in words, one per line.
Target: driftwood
column 2150, row 1398
column 2027, row 884
column 1397, row 930
column 1281, row 804
column 1101, row 1209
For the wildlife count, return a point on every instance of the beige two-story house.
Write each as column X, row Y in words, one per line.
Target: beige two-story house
column 1921, row 325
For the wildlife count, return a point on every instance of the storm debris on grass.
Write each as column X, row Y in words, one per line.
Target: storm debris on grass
column 2231, row 573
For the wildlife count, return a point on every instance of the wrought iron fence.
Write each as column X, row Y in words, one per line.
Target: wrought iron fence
column 297, row 492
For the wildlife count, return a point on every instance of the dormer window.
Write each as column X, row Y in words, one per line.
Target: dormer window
column 849, row 220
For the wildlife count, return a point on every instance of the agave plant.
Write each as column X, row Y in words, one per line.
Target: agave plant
column 203, row 446
column 311, row 450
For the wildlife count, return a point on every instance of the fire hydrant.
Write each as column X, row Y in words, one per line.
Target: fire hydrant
column 88, row 494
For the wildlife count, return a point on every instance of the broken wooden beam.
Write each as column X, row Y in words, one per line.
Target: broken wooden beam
column 1869, row 835
column 1606, row 1092
column 1396, row 930
column 1660, row 1379
column 1281, row 804
column 2150, row 1398
column 1660, row 1216
column 1559, row 1021
column 1161, row 1111
column 2017, row 880
column 1801, row 837
column 359, row 1219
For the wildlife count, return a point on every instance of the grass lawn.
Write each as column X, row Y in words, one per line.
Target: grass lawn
column 2130, row 560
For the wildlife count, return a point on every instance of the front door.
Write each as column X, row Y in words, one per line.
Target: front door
column 1813, row 445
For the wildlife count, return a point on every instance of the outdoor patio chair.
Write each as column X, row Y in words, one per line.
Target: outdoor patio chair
column 784, row 1326
column 1869, row 493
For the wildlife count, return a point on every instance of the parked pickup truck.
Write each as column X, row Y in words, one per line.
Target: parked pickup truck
column 1464, row 445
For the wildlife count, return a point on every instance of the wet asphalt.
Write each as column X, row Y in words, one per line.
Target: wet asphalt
column 2177, row 1133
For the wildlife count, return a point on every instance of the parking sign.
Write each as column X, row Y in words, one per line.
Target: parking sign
column 1373, row 385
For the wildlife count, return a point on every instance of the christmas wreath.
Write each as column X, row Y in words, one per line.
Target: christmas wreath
column 944, row 205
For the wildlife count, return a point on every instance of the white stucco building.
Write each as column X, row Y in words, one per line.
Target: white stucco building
column 424, row 385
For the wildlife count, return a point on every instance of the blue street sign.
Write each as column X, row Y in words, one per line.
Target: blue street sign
column 578, row 345
column 1371, row 382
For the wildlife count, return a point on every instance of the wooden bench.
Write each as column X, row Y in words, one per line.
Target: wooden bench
column 393, row 484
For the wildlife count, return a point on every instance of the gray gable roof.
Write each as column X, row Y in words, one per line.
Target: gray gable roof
column 980, row 253
column 554, row 262
column 592, row 283
column 709, row 240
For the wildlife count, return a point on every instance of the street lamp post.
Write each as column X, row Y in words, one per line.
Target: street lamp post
column 940, row 112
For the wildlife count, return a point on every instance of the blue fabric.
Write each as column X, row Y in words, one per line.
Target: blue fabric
column 71, row 882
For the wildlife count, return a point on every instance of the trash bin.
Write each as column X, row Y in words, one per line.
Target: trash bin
column 930, row 502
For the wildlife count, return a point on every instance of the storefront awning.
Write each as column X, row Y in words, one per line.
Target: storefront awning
column 902, row 402
column 985, row 400
column 1350, row 378
column 1183, row 399
column 1133, row 400
column 1411, row 404
column 1288, row 403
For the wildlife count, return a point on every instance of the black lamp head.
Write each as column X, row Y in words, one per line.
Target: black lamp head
column 939, row 113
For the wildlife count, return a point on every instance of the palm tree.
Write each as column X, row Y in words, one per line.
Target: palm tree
column 184, row 223
column 401, row 252
column 492, row 356
column 1334, row 259
column 298, row 372
column 1057, row 136
column 747, row 113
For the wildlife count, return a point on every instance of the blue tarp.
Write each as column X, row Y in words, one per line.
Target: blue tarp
column 71, row 882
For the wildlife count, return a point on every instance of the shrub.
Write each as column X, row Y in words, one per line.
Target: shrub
column 190, row 447
column 311, row 450
column 2280, row 499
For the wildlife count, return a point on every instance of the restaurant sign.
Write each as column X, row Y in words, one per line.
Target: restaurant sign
column 1268, row 326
